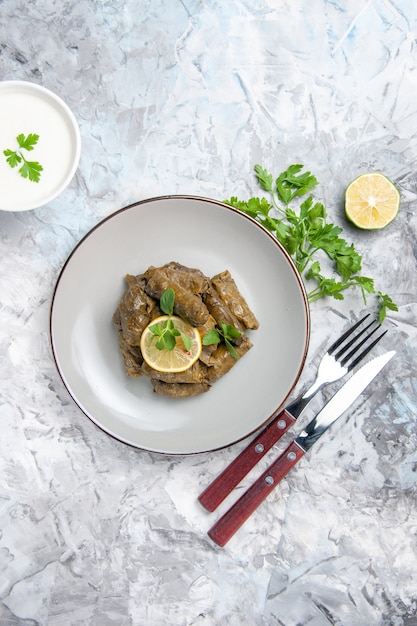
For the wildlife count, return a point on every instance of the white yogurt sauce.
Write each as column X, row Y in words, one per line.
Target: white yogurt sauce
column 25, row 110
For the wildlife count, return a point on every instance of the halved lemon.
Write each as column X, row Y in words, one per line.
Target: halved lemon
column 177, row 360
column 371, row 201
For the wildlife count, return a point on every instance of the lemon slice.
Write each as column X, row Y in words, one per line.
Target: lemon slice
column 177, row 360
column 371, row 201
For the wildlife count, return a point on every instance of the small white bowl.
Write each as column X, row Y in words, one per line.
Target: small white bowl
column 29, row 108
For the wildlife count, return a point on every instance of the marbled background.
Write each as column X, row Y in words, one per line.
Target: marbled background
column 186, row 96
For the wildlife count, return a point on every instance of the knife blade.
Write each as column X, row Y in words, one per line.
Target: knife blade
column 243, row 508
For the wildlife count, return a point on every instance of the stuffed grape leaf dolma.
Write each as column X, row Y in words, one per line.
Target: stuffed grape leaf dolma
column 179, row 390
column 227, row 289
column 135, row 311
column 132, row 358
column 197, row 373
column 222, row 361
column 219, row 310
column 188, row 284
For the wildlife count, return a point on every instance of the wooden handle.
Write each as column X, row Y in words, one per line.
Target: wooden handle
column 224, row 484
column 235, row 517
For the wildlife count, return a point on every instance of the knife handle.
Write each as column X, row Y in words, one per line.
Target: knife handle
column 234, row 518
column 224, row 484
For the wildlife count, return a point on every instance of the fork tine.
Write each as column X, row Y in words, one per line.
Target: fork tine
column 346, row 334
column 352, row 342
column 345, row 350
column 365, row 351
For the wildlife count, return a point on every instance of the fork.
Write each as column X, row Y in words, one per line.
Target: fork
column 341, row 357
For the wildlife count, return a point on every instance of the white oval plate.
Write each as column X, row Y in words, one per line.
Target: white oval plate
column 201, row 233
column 30, row 108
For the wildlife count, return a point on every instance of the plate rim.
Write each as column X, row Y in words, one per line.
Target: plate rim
column 223, row 205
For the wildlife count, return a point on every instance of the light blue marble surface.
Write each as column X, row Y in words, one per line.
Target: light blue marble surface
column 184, row 97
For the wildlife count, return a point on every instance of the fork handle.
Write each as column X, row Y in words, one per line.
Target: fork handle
column 236, row 516
column 220, row 488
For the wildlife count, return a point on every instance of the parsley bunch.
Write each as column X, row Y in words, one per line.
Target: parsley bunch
column 28, row 169
column 305, row 231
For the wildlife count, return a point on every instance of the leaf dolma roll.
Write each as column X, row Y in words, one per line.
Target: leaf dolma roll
column 222, row 361
column 179, row 390
column 197, row 373
column 135, row 311
column 188, row 287
column 219, row 309
column 231, row 296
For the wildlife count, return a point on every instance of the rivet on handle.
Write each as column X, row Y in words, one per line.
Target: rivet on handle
column 291, row 456
column 269, row 480
column 281, row 424
column 259, row 448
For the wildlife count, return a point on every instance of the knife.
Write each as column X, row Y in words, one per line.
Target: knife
column 239, row 512
column 214, row 494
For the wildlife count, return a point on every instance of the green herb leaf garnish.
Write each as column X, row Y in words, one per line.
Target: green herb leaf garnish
column 29, row 169
column 166, row 302
column 304, row 231
column 166, row 331
column 226, row 333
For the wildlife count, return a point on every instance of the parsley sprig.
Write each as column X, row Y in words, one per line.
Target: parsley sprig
column 305, row 231
column 28, row 169
column 226, row 333
column 166, row 331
